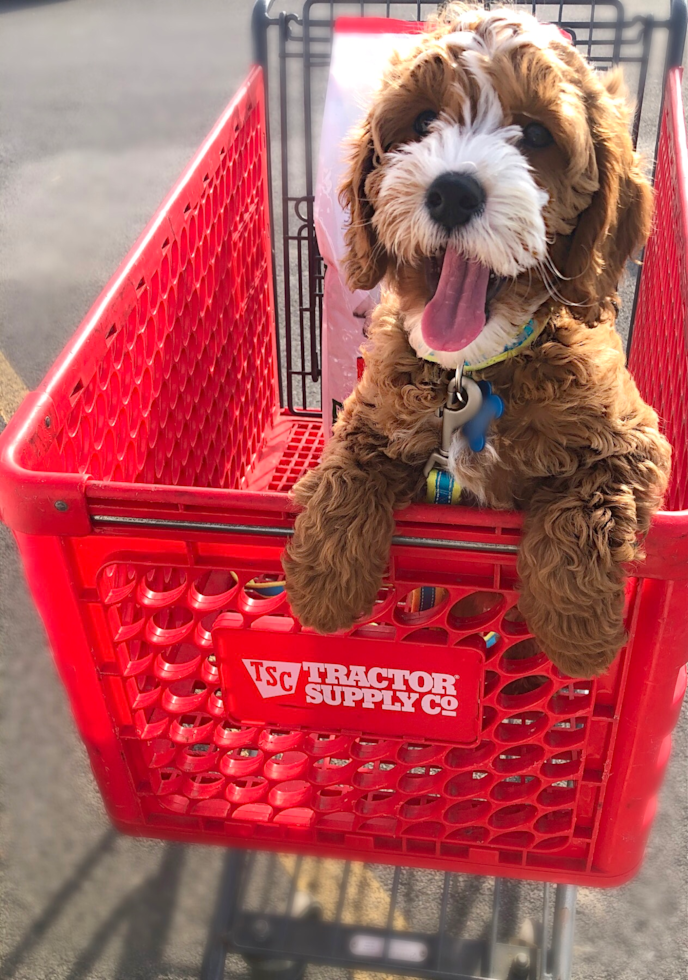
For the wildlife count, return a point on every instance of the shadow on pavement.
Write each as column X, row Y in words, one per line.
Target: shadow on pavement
column 145, row 914
column 56, row 906
column 8, row 6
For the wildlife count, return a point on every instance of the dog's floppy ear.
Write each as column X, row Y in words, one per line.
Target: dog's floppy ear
column 617, row 222
column 366, row 259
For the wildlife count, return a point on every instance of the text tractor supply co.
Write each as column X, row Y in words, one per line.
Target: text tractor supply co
column 386, row 688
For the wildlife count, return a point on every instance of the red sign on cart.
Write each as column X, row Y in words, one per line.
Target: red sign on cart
column 358, row 685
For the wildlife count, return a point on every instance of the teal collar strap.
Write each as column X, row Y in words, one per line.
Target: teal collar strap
column 528, row 333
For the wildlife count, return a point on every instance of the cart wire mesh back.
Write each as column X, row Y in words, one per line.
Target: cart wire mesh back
column 295, row 46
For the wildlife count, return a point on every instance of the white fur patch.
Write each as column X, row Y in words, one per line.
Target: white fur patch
column 471, row 470
column 509, row 236
column 502, row 29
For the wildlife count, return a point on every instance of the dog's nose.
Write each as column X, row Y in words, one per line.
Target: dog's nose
column 453, row 199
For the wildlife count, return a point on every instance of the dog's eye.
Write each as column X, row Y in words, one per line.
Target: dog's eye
column 422, row 122
column 537, row 136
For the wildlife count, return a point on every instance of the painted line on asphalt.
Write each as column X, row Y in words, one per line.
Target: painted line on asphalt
column 12, row 389
column 367, row 901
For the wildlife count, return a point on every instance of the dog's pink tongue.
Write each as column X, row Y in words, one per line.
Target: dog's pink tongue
column 456, row 313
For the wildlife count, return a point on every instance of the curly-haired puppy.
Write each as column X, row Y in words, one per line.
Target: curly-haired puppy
column 494, row 182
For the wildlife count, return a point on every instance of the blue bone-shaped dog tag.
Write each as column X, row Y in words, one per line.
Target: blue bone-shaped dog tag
column 491, row 408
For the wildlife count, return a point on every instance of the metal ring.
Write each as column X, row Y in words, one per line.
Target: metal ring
column 461, row 393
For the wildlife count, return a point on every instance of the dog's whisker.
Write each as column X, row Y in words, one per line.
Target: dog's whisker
column 359, row 224
column 557, row 272
column 553, row 291
column 557, row 295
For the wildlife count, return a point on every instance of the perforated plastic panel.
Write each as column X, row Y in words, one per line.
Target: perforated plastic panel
column 187, row 339
column 660, row 336
column 534, row 783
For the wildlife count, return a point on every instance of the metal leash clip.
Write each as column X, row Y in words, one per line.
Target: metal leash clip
column 464, row 399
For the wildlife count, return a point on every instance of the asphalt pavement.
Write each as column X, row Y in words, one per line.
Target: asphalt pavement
column 102, row 102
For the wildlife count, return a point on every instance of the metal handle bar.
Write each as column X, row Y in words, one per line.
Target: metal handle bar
column 274, row 531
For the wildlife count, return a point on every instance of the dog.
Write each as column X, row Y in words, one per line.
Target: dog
column 493, row 185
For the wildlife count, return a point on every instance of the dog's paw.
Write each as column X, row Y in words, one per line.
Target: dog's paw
column 583, row 663
column 319, row 601
column 335, row 561
column 580, row 644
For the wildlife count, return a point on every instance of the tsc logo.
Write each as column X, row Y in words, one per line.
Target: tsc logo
column 273, row 677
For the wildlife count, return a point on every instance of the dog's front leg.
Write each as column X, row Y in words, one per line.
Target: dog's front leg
column 577, row 536
column 372, row 465
column 336, row 560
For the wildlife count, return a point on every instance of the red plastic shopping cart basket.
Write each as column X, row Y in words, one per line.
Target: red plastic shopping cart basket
column 146, row 483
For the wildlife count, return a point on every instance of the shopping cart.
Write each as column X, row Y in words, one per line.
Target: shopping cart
column 146, row 484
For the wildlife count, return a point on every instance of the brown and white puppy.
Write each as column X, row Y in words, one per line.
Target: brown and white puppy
column 493, row 182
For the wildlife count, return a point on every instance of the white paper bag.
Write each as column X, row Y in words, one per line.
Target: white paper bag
column 360, row 51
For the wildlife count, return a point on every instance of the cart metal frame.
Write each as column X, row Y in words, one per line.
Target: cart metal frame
column 280, row 945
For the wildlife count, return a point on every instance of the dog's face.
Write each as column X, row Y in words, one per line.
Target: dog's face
column 494, row 173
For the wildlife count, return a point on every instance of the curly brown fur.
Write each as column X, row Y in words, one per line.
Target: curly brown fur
column 372, row 465
column 576, row 447
column 581, row 452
